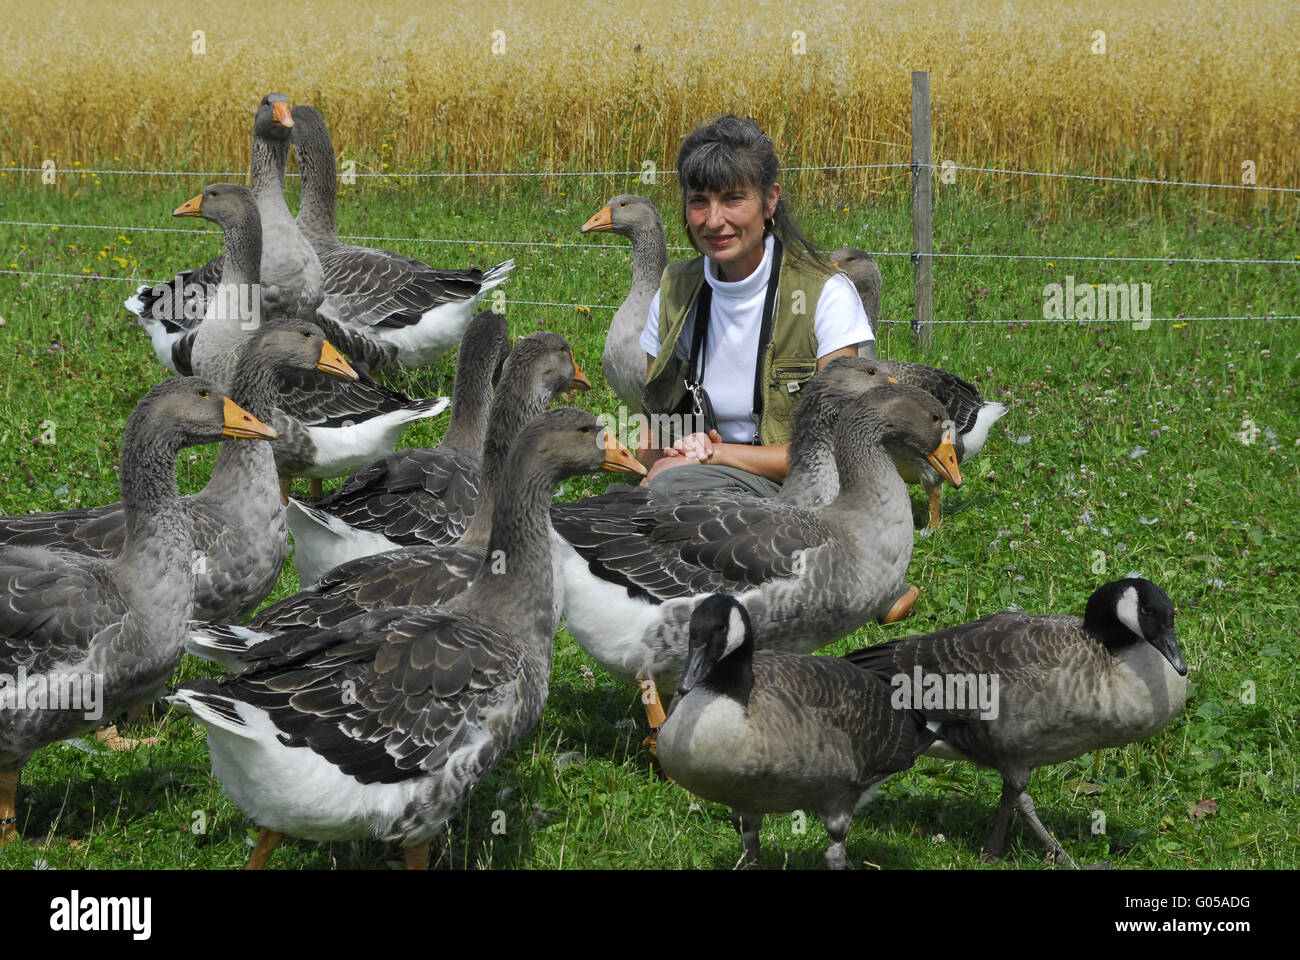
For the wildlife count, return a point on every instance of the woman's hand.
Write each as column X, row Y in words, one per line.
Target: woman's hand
column 697, row 447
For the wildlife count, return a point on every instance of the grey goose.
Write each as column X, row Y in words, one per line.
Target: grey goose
column 1066, row 686
column 106, row 634
column 382, row 308
column 807, row 575
column 637, row 219
column 423, row 574
column 383, row 724
column 240, row 540
column 971, row 413
column 288, row 269
column 327, row 426
column 428, row 496
column 770, row 732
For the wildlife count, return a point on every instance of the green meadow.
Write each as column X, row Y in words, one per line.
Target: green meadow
column 1170, row 450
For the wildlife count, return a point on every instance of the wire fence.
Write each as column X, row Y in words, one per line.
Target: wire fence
column 566, row 245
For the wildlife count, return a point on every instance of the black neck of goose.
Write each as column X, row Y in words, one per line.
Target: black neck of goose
column 649, row 251
column 733, row 676
column 1099, row 619
column 812, row 473
column 514, row 581
column 320, row 186
column 861, row 459
column 516, row 402
column 267, row 162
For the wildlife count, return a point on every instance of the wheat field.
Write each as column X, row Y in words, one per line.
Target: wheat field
column 1187, row 92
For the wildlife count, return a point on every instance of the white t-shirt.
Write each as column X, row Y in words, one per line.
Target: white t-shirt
column 731, row 350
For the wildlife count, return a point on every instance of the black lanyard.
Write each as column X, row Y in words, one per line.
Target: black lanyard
column 700, row 332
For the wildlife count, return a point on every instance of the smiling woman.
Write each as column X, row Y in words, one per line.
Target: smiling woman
column 734, row 334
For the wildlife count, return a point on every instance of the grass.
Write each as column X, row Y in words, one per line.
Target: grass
column 1182, row 91
column 1123, row 451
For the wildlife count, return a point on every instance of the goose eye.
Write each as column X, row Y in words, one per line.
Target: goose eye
column 203, row 393
column 586, row 429
column 1144, row 610
column 936, row 419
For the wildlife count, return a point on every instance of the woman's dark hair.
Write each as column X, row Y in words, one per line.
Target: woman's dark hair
column 727, row 152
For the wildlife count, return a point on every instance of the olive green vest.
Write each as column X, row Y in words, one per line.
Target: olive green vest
column 789, row 361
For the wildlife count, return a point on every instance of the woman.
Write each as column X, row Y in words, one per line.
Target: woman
column 764, row 336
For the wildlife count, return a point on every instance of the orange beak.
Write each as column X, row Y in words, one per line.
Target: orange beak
column 619, row 459
column 190, row 208
column 243, row 425
column 331, row 361
column 944, row 459
column 281, row 115
column 579, row 381
column 602, row 219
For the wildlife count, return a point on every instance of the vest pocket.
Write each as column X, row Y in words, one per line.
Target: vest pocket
column 785, row 389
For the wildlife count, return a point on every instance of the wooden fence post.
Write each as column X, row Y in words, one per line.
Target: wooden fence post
column 922, row 208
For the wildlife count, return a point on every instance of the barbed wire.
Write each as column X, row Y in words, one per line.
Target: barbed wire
column 458, row 174
column 623, row 248
column 605, row 306
column 545, row 174
column 1091, row 176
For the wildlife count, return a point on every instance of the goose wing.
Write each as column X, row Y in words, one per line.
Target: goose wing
column 412, row 497
column 708, row 545
column 386, row 696
column 366, row 287
column 52, row 605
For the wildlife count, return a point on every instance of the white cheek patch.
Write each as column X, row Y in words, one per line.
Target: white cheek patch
column 735, row 633
column 1127, row 611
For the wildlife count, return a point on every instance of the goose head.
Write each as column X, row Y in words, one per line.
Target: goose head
column 572, row 442
column 274, row 118
column 189, row 411
column 300, row 345
column 910, row 423
column 721, row 651
column 859, row 265
column 843, row 379
column 552, row 368
column 625, row 215
column 225, row 204
column 1133, row 610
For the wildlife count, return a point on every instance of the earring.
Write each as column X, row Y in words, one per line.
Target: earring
column 769, row 224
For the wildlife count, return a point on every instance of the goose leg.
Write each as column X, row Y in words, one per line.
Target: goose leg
column 996, row 844
column 837, row 825
column 1026, row 807
column 8, row 805
column 417, row 857
column 902, row 608
column 747, row 825
column 934, row 510
column 267, row 841
column 286, row 484
column 317, row 491
column 654, row 714
column 109, row 737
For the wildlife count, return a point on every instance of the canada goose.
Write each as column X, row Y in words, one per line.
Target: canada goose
column 637, row 219
column 383, row 307
column 428, row 496
column 288, row 271
column 327, row 426
column 1065, row 687
column 106, row 633
column 770, row 732
column 972, row 415
column 240, row 540
column 384, row 724
column 808, row 575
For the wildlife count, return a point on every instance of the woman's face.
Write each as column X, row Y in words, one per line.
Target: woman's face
column 728, row 227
